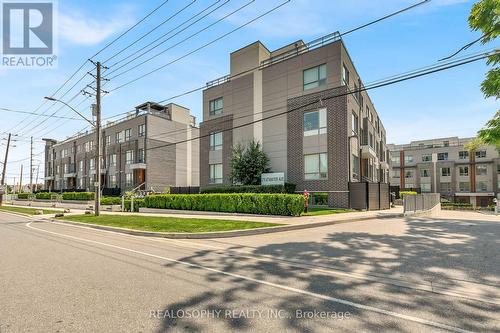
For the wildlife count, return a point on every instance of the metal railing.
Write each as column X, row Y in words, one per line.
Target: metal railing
column 420, row 202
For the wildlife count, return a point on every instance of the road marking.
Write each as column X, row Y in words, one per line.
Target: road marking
column 270, row 284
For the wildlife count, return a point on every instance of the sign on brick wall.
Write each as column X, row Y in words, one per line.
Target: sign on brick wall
column 275, row 178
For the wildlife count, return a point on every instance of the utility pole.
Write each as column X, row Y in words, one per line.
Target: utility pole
column 2, row 183
column 98, row 140
column 37, row 174
column 31, row 166
column 21, row 180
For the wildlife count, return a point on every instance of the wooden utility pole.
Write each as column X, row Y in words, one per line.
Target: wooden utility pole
column 98, row 140
column 2, row 183
column 31, row 166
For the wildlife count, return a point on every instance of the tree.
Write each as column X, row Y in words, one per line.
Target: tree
column 485, row 17
column 248, row 164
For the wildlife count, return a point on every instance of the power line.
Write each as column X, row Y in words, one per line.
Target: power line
column 34, row 113
column 147, row 51
column 204, row 46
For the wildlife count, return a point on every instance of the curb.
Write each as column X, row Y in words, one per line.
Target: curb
column 224, row 234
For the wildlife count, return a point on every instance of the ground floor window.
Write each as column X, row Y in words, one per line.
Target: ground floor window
column 112, row 181
column 425, row 187
column 481, row 187
column 316, row 166
column 355, row 167
column 463, row 187
column 215, row 173
column 129, row 179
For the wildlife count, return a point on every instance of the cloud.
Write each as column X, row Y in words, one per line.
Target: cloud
column 80, row 29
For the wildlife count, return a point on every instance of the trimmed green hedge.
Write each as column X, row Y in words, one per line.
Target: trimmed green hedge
column 403, row 193
column 81, row 196
column 287, row 188
column 457, row 205
column 106, row 201
column 137, row 204
column 248, row 203
column 23, row 196
column 45, row 195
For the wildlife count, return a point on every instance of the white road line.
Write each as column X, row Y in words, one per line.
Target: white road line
column 270, row 284
column 435, row 289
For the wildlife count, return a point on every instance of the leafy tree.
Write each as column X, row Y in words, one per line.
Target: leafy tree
column 248, row 164
column 485, row 17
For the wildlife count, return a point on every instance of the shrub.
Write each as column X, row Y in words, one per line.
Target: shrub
column 137, row 204
column 403, row 193
column 23, row 196
column 287, row 188
column 80, row 196
column 45, row 195
column 106, row 201
column 457, row 205
column 264, row 204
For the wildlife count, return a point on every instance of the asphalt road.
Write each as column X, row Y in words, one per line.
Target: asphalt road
column 417, row 275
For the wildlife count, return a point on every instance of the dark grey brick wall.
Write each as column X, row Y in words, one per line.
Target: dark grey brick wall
column 337, row 128
column 223, row 123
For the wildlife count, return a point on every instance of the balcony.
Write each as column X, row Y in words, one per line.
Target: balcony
column 368, row 152
column 138, row 166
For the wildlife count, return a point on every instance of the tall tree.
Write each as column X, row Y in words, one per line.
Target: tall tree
column 485, row 17
column 248, row 164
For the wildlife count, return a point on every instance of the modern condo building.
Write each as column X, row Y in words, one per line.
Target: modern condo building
column 140, row 151
column 302, row 103
column 445, row 166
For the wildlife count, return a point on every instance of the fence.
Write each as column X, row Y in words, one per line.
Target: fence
column 420, row 202
column 369, row 196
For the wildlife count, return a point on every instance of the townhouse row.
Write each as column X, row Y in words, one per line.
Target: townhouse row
column 303, row 102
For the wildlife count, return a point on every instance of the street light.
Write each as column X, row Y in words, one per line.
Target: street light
column 97, row 127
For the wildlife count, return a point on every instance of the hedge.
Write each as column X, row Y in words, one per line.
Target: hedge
column 403, row 193
column 45, row 195
column 287, row 188
column 137, row 204
column 106, row 201
column 81, row 196
column 264, row 204
column 23, row 196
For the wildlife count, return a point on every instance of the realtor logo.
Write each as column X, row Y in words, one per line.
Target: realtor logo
column 28, row 34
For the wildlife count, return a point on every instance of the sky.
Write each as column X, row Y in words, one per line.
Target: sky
column 445, row 104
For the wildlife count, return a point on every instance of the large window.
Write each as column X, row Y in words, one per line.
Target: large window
column 446, row 187
column 481, row 187
column 463, row 171
column 141, row 157
column 216, row 106
column 215, row 173
column 315, row 77
column 427, row 158
column 481, row 153
column 345, row 75
column 463, row 187
column 118, row 137
column 112, row 160
column 129, row 179
column 355, row 123
column 481, row 170
column 355, row 167
column 463, row 155
column 425, row 187
column 141, row 130
column 396, row 174
column 128, row 134
column 80, row 167
column 442, row 156
column 216, row 141
column 92, row 164
column 445, row 172
column 395, row 160
column 425, row 173
column 129, row 157
column 316, row 166
column 108, row 140
column 112, row 181
column 409, row 174
column 315, row 122
column 408, row 159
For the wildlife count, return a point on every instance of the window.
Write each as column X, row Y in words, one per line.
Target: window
column 215, row 173
column 216, row 141
column 355, row 123
column 446, row 187
column 91, row 145
column 81, row 183
column 108, row 140
column 315, row 122
column 141, row 130
column 395, row 160
column 66, row 168
column 425, row 173
column 408, row 159
column 356, row 92
column 129, row 179
column 446, row 143
column 92, row 164
column 370, row 139
column 425, row 188
column 481, row 187
column 112, row 160
column 396, row 174
column 216, row 106
column 355, row 167
column 129, row 157
column 442, row 156
column 118, row 137
column 481, row 153
column 315, row 77
column 80, row 167
column 463, row 187
column 445, row 172
column 481, row 170
column 409, row 174
column 316, row 166
column 463, row 171
column 141, row 156
column 463, row 155
column 427, row 158
column 345, row 75
column 112, row 181
column 128, row 134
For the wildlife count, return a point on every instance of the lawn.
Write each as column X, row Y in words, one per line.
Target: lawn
column 317, row 211
column 26, row 210
column 167, row 224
